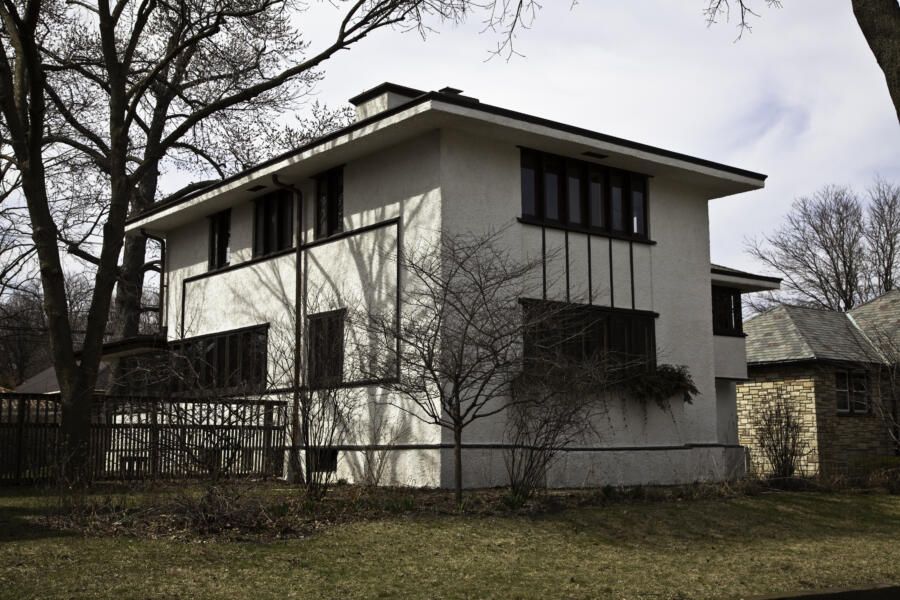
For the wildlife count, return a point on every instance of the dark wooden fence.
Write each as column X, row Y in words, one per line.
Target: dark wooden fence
column 146, row 438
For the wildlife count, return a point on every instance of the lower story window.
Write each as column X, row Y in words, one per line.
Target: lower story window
column 579, row 332
column 229, row 361
column 851, row 389
column 326, row 348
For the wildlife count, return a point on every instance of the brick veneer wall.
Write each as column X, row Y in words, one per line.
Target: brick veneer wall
column 795, row 382
column 843, row 438
column 835, row 441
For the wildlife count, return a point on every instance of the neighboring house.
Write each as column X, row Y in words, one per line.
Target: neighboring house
column 827, row 365
column 45, row 382
column 260, row 262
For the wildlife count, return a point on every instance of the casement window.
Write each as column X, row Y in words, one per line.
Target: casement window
column 219, row 240
column 582, row 196
column 330, row 203
column 228, row 361
column 580, row 332
column 325, row 352
column 851, row 389
column 726, row 305
column 273, row 223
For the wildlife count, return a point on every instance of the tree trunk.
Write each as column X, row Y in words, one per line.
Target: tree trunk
column 879, row 21
column 457, row 465
column 130, row 288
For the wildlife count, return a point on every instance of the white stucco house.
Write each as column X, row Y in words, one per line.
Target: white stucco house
column 252, row 261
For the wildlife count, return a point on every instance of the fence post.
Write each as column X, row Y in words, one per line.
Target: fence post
column 20, row 440
column 154, row 440
column 267, row 439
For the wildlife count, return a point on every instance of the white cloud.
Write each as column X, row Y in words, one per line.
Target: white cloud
column 800, row 98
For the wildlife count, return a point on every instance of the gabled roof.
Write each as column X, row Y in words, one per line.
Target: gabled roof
column 794, row 334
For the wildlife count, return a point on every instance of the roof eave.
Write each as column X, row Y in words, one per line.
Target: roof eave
column 726, row 179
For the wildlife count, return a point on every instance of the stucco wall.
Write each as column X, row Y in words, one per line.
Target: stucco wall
column 453, row 182
column 481, row 190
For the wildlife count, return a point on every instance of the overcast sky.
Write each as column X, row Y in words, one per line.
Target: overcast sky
column 800, row 98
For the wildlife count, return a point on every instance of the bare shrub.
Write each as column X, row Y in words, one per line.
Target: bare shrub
column 779, row 433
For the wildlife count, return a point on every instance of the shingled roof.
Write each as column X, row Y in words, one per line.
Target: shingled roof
column 793, row 334
column 879, row 317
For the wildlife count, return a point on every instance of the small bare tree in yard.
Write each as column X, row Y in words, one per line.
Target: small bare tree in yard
column 456, row 346
column 779, row 434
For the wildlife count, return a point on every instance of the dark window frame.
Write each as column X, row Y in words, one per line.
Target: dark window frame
column 219, row 247
column 326, row 370
column 851, row 394
column 583, row 331
column 329, row 205
column 273, row 223
column 212, row 356
column 588, row 171
column 727, row 313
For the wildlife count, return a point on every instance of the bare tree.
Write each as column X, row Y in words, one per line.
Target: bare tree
column 23, row 335
column 455, row 348
column 820, row 250
column 883, row 234
column 878, row 20
column 60, row 62
column 834, row 251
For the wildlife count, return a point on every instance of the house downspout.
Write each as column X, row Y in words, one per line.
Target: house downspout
column 163, row 278
column 297, row 433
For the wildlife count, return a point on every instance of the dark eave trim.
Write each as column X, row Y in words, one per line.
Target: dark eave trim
column 744, row 275
column 456, row 101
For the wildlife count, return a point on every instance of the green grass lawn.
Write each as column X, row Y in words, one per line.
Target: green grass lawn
column 718, row 548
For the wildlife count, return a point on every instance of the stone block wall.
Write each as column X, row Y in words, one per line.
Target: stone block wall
column 797, row 383
column 835, row 442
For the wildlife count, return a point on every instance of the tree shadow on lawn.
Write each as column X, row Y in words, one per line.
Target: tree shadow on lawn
column 20, row 522
column 776, row 516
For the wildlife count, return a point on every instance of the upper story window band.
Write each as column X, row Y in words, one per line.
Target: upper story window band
column 583, row 196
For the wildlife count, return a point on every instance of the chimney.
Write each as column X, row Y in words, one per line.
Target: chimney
column 381, row 98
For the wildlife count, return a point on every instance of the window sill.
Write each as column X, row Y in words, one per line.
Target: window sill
column 738, row 334
column 854, row 414
column 586, row 230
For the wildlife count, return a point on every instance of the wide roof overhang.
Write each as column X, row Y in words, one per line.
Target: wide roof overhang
column 434, row 111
